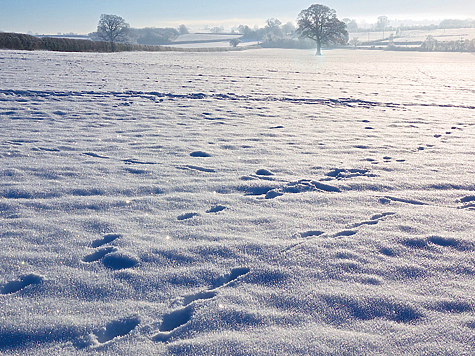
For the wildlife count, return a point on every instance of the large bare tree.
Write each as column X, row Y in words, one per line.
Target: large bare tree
column 320, row 24
column 112, row 28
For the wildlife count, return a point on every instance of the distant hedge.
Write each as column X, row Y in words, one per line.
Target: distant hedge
column 19, row 41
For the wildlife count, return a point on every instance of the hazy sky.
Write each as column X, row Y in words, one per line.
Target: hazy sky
column 81, row 16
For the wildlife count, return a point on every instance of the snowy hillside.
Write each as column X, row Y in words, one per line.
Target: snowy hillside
column 264, row 202
column 208, row 40
column 414, row 36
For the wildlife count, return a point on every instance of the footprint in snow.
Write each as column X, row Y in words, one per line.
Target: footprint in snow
column 264, row 172
column 23, row 282
column 95, row 155
column 388, row 199
column 105, row 240
column 116, row 328
column 345, row 233
column 216, row 209
column 199, row 296
column 311, row 233
column 199, row 154
column 118, row 261
column 227, row 279
column 180, row 317
column 373, row 221
column 187, row 216
column 197, row 168
column 97, row 255
column 301, row 186
column 341, row 173
column 469, row 202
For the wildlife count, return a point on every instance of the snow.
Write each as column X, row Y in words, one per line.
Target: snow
column 259, row 202
column 208, row 40
column 441, row 35
column 207, row 37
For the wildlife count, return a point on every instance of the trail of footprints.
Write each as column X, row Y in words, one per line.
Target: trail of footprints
column 112, row 258
column 181, row 316
column 122, row 327
column 170, row 321
column 312, row 234
column 441, row 136
column 214, row 209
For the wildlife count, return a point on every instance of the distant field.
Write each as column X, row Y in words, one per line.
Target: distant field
column 207, row 40
column 441, row 35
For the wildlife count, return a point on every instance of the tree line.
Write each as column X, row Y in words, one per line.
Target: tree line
column 19, row 41
column 317, row 23
column 383, row 23
column 317, row 26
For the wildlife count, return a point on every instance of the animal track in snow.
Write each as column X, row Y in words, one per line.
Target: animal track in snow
column 199, row 296
column 197, row 168
column 187, row 216
column 199, row 154
column 339, row 173
column 264, row 172
column 138, row 171
column 311, row 233
column 180, row 317
column 25, row 281
column 175, row 319
column 216, row 209
column 135, row 161
column 469, row 202
column 95, row 155
column 369, row 222
column 226, row 280
column 110, row 256
column 388, row 199
column 345, row 233
column 380, row 216
column 117, row 261
column 97, row 255
column 116, row 328
column 303, row 185
column 373, row 221
column 105, row 240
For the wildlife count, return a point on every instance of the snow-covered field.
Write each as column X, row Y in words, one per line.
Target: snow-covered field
column 265, row 202
column 441, row 35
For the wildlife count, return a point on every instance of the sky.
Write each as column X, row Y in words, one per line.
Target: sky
column 75, row 16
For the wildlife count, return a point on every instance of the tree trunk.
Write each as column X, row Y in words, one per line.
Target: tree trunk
column 319, row 46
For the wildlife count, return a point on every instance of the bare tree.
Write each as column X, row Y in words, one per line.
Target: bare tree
column 355, row 41
column 112, row 28
column 382, row 23
column 319, row 23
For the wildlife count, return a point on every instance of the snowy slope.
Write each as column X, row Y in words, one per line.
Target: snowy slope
column 265, row 202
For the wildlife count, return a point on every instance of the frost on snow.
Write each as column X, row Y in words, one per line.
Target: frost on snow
column 244, row 203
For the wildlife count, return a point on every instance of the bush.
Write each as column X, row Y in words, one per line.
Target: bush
column 20, row 41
